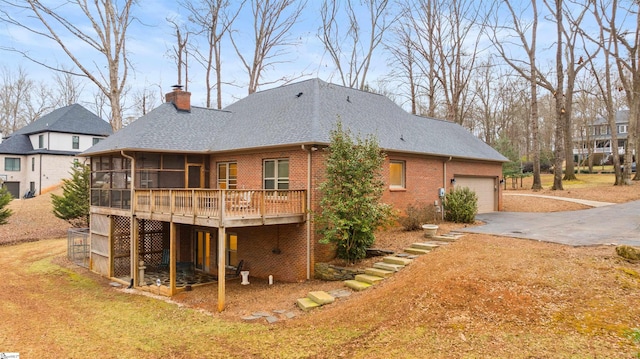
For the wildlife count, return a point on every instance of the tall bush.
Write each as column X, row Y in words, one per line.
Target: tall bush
column 73, row 205
column 350, row 195
column 461, row 205
column 5, row 198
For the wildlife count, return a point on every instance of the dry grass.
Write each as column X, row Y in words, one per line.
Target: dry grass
column 482, row 296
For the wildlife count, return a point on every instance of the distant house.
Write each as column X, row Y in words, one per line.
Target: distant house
column 196, row 190
column 39, row 155
column 595, row 139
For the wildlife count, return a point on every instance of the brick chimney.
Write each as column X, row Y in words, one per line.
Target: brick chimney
column 180, row 99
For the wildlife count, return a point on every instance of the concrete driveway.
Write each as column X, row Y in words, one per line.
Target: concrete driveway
column 613, row 224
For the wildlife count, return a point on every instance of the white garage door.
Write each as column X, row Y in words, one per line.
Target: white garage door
column 484, row 187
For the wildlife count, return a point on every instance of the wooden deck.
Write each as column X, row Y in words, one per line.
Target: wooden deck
column 216, row 208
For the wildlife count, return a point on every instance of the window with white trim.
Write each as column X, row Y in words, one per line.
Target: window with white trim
column 396, row 174
column 276, row 174
column 75, row 142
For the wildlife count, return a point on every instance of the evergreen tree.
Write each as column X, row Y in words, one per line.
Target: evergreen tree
column 73, row 205
column 350, row 196
column 5, row 198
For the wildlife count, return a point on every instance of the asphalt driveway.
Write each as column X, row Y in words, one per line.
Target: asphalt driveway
column 613, row 224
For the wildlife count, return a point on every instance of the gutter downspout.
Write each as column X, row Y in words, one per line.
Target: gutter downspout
column 308, row 209
column 40, row 176
column 444, row 172
column 444, row 184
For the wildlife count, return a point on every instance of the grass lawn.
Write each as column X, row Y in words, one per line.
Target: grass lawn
column 479, row 297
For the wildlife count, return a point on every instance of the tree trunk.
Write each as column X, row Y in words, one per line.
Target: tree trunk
column 559, row 108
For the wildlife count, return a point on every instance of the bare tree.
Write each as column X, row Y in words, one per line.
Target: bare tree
column 15, row 91
column 572, row 65
column 528, row 68
column 352, row 50
column 623, row 46
column 448, row 40
column 272, row 38
column 39, row 101
column 179, row 53
column 105, row 33
column 212, row 20
column 144, row 100
column 402, row 63
column 68, row 90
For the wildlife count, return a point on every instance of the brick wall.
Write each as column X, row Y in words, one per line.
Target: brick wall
column 278, row 250
column 258, row 246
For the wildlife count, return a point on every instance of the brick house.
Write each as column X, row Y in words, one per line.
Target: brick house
column 198, row 190
column 39, row 155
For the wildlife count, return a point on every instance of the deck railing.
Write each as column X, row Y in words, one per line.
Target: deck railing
column 220, row 204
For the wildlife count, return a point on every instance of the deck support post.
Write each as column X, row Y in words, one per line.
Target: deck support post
column 173, row 251
column 222, row 242
column 134, row 249
column 222, row 235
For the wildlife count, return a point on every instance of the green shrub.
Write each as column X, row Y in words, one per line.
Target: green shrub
column 73, row 206
column 461, row 205
column 417, row 215
column 5, row 198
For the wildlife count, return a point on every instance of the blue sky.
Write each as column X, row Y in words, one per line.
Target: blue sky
column 151, row 37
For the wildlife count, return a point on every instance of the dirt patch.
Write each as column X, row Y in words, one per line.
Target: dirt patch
column 32, row 220
column 481, row 296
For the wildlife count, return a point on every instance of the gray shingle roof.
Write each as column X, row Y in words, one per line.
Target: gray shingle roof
column 167, row 129
column 69, row 119
column 16, row 145
column 300, row 113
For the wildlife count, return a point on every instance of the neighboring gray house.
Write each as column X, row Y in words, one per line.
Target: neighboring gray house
column 189, row 187
column 595, row 139
column 38, row 156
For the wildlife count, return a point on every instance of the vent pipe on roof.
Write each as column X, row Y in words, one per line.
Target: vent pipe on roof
column 180, row 99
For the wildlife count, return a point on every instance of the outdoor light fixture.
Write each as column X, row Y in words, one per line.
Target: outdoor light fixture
column 501, row 180
column 453, row 181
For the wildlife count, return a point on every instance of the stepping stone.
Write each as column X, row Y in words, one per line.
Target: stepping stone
column 261, row 314
column 402, row 255
column 280, row 311
column 379, row 272
column 388, row 266
column 447, row 237
column 271, row 319
column 371, row 279
column 397, row 260
column 413, row 256
column 356, row 285
column 340, row 293
column 321, row 297
column 306, row 304
column 417, row 251
column 437, row 243
column 290, row 315
column 250, row 318
column 426, row 246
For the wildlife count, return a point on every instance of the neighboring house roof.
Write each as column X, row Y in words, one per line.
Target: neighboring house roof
column 72, row 119
column 69, row 119
column 302, row 113
column 16, row 145
column 622, row 117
